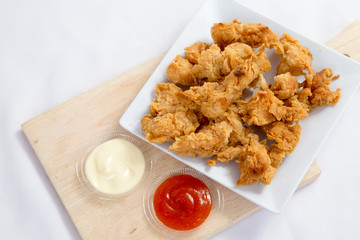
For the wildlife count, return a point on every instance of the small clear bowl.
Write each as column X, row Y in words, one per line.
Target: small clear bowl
column 96, row 141
column 169, row 233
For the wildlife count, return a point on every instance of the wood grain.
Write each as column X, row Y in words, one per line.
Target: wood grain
column 348, row 41
column 58, row 135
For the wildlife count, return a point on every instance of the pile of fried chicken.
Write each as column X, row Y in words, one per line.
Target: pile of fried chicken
column 212, row 119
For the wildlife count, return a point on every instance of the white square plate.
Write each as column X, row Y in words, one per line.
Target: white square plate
column 315, row 128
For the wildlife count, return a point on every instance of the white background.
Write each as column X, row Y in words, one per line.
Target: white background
column 51, row 51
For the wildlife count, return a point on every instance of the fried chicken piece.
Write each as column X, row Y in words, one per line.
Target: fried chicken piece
column 264, row 66
column 262, row 60
column 285, row 86
column 264, row 108
column 204, row 143
column 169, row 117
column 226, row 154
column 254, row 163
column 296, row 58
column 214, row 104
column 241, row 76
column 193, row 52
column 304, row 96
column 206, row 62
column 286, row 136
column 214, row 64
column 240, row 135
column 213, row 98
column 167, row 99
column 258, row 110
column 321, row 93
column 168, row 126
column 180, row 72
column 233, row 139
column 210, row 65
column 276, row 155
column 253, row 34
column 268, row 175
column 294, row 111
column 210, row 99
column 235, row 54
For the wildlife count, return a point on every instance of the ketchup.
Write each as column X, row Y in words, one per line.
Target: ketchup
column 182, row 202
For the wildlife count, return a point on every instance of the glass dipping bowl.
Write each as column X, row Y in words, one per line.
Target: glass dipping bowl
column 216, row 210
column 94, row 142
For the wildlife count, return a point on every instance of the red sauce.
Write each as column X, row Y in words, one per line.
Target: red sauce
column 182, row 202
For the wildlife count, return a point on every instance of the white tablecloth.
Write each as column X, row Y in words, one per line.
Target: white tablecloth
column 51, row 51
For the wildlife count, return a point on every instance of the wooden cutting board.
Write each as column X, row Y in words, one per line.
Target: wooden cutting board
column 58, row 135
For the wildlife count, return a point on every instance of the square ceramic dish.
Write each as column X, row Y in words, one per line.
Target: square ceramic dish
column 315, row 128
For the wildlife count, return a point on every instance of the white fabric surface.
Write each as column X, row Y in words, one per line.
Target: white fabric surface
column 51, row 51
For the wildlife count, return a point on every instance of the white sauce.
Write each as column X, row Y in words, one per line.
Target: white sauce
column 115, row 166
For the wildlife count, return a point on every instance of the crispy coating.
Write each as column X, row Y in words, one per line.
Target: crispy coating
column 254, row 163
column 252, row 34
column 268, row 175
column 204, row 143
column 304, row 97
column 193, row 52
column 285, row 86
column 210, row 65
column 241, row 76
column 214, row 98
column 320, row 91
column 179, row 71
column 166, row 127
column 264, row 108
column 258, row 110
column 210, row 99
column 207, row 63
column 226, row 154
column 294, row 110
column 296, row 58
column 286, row 136
column 169, row 117
column 167, row 99
column 235, row 54
column 241, row 133
column 276, row 155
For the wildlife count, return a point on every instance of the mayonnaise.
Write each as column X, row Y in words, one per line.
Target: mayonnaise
column 115, row 166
